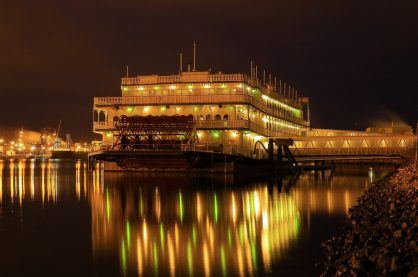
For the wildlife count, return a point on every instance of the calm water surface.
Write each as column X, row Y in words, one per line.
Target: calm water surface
column 58, row 218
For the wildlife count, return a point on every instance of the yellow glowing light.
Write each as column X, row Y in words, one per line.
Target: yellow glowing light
column 206, row 85
column 146, row 109
column 177, row 109
column 108, row 134
column 141, row 88
column 234, row 134
column 239, row 85
column 199, row 134
column 190, row 86
column 172, row 86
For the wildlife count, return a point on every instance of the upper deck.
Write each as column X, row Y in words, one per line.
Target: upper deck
column 206, row 77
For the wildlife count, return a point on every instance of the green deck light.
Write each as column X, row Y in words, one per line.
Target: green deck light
column 130, row 109
column 216, row 134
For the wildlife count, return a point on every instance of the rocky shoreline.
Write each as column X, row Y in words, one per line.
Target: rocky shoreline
column 380, row 236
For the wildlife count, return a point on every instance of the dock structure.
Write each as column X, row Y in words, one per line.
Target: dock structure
column 199, row 119
column 353, row 145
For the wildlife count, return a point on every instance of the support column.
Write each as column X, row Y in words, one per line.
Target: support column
column 270, row 150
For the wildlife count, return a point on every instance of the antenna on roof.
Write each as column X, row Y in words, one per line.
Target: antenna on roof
column 264, row 76
column 194, row 55
column 181, row 62
column 251, row 70
column 127, row 71
column 275, row 83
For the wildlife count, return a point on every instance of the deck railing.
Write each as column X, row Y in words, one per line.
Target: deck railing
column 209, row 124
column 230, row 98
column 155, row 79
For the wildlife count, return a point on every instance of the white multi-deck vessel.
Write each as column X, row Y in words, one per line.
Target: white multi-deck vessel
column 229, row 113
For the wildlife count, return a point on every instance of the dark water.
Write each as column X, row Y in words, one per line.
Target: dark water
column 56, row 218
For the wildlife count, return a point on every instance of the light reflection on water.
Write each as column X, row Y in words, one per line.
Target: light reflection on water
column 182, row 225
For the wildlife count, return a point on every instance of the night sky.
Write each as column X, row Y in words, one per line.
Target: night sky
column 356, row 60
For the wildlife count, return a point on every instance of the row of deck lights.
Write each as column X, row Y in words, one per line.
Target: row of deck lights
column 173, row 86
column 207, row 86
column 266, row 119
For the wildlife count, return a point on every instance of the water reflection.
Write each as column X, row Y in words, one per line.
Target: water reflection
column 187, row 231
column 180, row 225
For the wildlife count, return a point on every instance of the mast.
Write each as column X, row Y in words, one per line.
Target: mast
column 194, row 55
